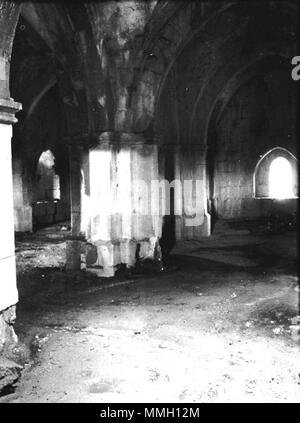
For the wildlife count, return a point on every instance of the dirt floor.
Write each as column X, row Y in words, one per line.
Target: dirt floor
column 213, row 327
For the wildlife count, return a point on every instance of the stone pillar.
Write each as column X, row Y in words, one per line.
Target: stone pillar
column 8, row 287
column 74, row 245
column 190, row 169
column 111, row 202
column 63, row 206
column 21, row 192
column 75, row 188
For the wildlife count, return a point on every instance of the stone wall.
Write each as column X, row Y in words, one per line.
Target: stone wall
column 259, row 117
column 48, row 212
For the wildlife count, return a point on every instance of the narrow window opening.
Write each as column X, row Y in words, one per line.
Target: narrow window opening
column 275, row 175
column 280, row 179
column 48, row 186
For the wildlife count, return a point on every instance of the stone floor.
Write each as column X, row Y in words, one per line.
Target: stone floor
column 213, row 327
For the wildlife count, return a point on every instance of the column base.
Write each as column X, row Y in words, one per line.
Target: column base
column 105, row 272
column 110, row 255
column 103, row 257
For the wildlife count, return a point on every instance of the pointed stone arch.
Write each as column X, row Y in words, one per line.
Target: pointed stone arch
column 261, row 175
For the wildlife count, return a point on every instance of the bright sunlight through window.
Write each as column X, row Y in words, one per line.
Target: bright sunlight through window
column 280, row 179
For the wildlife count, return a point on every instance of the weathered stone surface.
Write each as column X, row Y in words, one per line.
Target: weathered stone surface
column 74, row 249
column 9, row 374
column 8, row 338
column 91, row 254
column 9, row 315
column 12, row 355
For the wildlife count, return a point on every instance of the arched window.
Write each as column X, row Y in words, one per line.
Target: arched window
column 280, row 179
column 48, row 187
column 275, row 175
